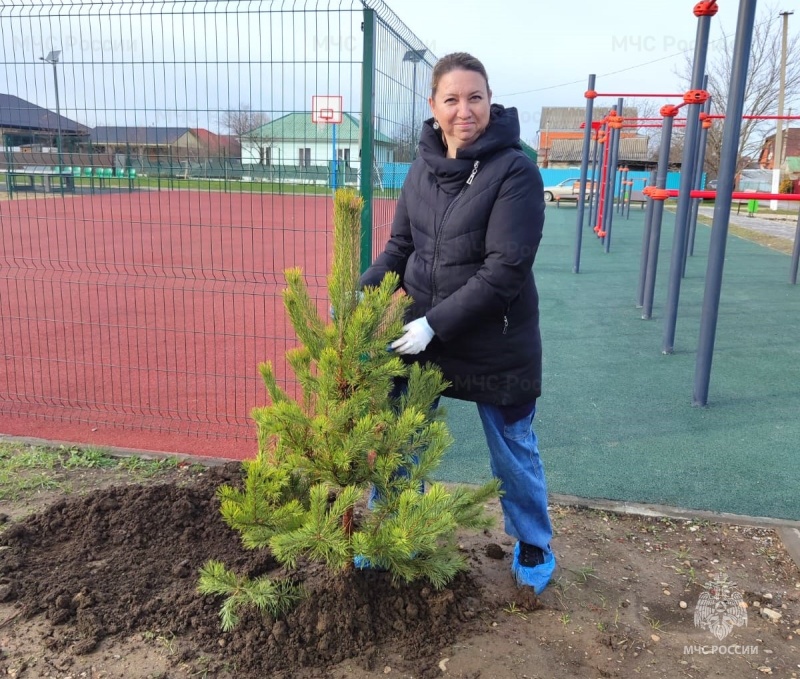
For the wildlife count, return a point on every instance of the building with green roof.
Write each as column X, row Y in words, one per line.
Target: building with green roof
column 293, row 140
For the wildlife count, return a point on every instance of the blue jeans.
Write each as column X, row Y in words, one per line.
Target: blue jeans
column 400, row 387
column 514, row 459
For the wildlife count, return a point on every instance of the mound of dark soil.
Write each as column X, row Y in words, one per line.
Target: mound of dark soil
column 125, row 559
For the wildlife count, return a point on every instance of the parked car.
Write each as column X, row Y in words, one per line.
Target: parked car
column 711, row 185
column 568, row 188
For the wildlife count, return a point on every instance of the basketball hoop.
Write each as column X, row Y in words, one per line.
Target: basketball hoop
column 326, row 109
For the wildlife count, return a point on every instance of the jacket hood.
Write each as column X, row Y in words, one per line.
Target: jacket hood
column 501, row 133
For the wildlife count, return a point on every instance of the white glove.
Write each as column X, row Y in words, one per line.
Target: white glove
column 418, row 336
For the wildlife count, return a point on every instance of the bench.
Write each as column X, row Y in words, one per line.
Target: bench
column 30, row 172
column 637, row 197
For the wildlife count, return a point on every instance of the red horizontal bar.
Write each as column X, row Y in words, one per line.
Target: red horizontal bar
column 739, row 195
column 655, row 119
column 720, row 116
column 637, row 94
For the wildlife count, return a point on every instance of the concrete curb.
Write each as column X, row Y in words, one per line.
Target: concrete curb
column 787, row 529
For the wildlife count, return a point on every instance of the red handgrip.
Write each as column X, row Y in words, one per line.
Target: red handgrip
column 707, row 8
column 695, row 97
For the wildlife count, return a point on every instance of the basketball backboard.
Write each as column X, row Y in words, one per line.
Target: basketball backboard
column 326, row 108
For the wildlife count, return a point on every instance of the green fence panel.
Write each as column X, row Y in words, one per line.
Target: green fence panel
column 169, row 289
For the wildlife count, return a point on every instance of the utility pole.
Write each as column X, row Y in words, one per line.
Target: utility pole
column 777, row 154
column 52, row 58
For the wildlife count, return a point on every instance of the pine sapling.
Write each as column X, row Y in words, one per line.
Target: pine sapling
column 343, row 434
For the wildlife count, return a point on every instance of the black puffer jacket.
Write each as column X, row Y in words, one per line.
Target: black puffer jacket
column 463, row 241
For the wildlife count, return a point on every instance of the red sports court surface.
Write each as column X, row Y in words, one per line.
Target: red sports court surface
column 138, row 319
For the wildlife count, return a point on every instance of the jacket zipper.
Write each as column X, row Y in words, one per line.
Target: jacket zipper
column 442, row 223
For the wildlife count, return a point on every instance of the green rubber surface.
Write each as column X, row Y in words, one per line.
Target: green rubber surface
column 616, row 420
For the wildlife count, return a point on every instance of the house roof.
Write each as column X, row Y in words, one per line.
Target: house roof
column 138, row 136
column 20, row 114
column 791, row 141
column 217, row 142
column 631, row 150
column 570, row 118
column 298, row 127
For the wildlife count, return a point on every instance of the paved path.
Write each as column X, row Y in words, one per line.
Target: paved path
column 782, row 226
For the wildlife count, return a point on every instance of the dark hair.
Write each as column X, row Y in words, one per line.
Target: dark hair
column 457, row 61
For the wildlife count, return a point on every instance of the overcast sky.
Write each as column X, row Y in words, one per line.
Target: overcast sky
column 541, row 53
column 154, row 63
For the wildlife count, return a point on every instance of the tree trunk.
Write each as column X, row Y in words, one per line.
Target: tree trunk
column 347, row 522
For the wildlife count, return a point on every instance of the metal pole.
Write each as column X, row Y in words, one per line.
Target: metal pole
column 595, row 192
column 335, row 163
column 687, row 177
column 628, row 199
column 587, row 139
column 58, row 125
column 599, row 209
column 795, row 252
column 648, row 222
column 722, row 206
column 623, row 177
column 612, row 180
column 367, row 112
column 777, row 155
column 658, row 214
column 414, row 110
column 701, row 161
column 9, row 165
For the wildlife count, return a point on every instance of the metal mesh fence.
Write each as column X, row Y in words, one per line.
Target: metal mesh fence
column 161, row 170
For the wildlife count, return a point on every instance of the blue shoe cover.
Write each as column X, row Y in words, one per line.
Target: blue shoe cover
column 536, row 577
column 361, row 562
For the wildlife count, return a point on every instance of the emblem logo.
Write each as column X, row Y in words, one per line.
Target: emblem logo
column 720, row 608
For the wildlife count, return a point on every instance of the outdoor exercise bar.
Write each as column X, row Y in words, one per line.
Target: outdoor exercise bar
column 737, row 195
column 722, row 206
column 648, row 219
column 587, row 140
column 688, row 249
column 592, row 94
column 652, row 228
column 721, row 116
column 588, row 127
column 608, row 216
column 695, row 98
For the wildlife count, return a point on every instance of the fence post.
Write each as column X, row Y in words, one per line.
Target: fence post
column 9, row 165
column 367, row 135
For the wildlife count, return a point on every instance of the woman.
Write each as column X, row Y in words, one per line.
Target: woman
column 463, row 240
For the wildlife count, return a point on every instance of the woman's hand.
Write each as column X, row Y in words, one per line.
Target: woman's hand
column 418, row 335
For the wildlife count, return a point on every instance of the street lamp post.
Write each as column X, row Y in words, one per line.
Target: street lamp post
column 414, row 56
column 52, row 58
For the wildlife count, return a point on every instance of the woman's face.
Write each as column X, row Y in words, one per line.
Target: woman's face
column 461, row 107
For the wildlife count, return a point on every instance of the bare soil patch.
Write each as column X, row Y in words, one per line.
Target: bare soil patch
column 101, row 582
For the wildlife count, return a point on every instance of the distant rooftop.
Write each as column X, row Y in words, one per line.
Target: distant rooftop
column 19, row 114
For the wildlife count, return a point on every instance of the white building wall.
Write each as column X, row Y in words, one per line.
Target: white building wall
column 288, row 153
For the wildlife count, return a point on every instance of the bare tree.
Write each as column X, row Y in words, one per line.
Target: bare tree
column 761, row 91
column 247, row 125
column 647, row 108
column 403, row 142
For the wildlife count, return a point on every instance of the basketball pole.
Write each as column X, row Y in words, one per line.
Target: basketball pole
column 333, row 136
